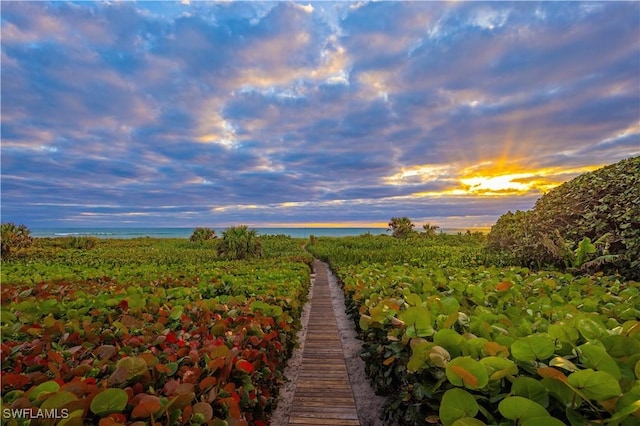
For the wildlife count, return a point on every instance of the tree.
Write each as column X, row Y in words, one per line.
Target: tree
column 202, row 234
column 14, row 238
column 430, row 230
column 240, row 242
column 401, row 227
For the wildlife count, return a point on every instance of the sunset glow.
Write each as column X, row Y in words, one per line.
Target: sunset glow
column 181, row 114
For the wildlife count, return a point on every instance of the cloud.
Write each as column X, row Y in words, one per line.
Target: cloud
column 158, row 113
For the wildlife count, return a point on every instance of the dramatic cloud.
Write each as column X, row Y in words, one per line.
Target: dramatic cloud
column 199, row 113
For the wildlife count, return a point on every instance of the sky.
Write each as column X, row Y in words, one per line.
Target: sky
column 180, row 114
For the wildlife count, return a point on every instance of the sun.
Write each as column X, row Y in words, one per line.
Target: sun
column 510, row 183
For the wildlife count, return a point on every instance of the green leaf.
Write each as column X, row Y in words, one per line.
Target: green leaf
column 597, row 385
column 627, row 404
column 466, row 371
column 419, row 318
column 528, row 387
column 176, row 312
column 173, row 367
column 134, row 365
column 519, row 408
column 560, row 390
column 498, row 367
column 532, row 348
column 450, row 340
column 109, row 401
column 57, row 400
column 596, row 357
column 542, row 420
column 419, row 354
column 457, row 404
column 412, row 299
column 43, row 388
column 6, row 317
column 468, row 421
column 563, row 363
column 591, row 330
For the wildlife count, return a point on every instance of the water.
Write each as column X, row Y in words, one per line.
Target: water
column 186, row 232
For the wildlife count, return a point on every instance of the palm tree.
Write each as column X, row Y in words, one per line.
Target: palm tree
column 202, row 234
column 401, row 227
column 430, row 230
column 240, row 242
column 14, row 238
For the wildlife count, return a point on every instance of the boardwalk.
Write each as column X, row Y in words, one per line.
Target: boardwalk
column 323, row 394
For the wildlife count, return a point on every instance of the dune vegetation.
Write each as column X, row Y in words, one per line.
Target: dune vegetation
column 536, row 323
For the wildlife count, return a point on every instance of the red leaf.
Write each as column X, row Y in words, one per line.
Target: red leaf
column 148, row 406
column 171, row 338
column 552, row 373
column 504, row 286
column 245, row 366
column 14, row 380
column 207, row 382
column 55, row 357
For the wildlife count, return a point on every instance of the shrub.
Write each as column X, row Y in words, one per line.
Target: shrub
column 202, row 234
column 81, row 242
column 240, row 242
column 14, row 239
column 602, row 206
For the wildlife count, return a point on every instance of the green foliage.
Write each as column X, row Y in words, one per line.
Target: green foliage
column 449, row 338
column 591, row 222
column 202, row 234
column 429, row 230
column 401, row 227
column 14, row 239
column 240, row 242
column 151, row 329
column 80, row 242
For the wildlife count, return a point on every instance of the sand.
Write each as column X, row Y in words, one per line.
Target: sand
column 369, row 405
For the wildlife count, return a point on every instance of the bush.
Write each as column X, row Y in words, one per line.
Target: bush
column 602, row 206
column 239, row 242
column 80, row 242
column 202, row 234
column 14, row 239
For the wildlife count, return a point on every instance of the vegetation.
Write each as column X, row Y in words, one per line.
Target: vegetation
column 456, row 333
column 202, row 234
column 453, row 340
column 240, row 242
column 430, row 230
column 14, row 239
column 602, row 206
column 80, row 242
column 401, row 227
column 151, row 331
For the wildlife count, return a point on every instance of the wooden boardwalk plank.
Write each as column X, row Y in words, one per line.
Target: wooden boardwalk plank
column 323, row 394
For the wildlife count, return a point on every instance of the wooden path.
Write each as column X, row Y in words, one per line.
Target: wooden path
column 323, row 394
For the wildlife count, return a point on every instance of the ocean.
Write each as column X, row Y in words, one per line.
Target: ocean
column 186, row 232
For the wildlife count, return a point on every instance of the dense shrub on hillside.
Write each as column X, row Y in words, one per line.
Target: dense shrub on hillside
column 602, row 206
